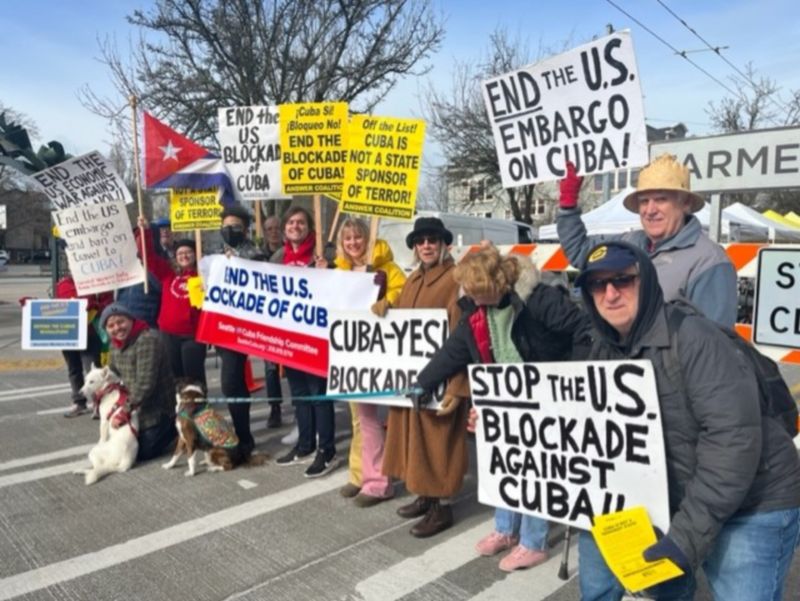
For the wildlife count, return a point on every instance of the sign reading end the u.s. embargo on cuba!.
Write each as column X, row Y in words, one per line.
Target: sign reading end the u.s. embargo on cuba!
column 568, row 441
column 777, row 307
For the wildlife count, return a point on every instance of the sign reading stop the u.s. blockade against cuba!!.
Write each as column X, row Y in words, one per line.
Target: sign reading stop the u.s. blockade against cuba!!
column 54, row 324
column 313, row 147
column 583, row 106
column 777, row 307
column 383, row 162
column 383, row 354
column 101, row 250
column 568, row 441
column 276, row 312
column 249, row 138
column 87, row 179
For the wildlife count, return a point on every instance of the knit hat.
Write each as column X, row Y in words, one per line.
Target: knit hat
column 431, row 226
column 114, row 309
column 183, row 242
column 663, row 173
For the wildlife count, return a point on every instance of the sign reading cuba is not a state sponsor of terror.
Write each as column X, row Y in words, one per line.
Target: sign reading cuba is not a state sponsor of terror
column 276, row 312
column 567, row 441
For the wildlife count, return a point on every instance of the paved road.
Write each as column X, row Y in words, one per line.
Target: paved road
column 250, row 534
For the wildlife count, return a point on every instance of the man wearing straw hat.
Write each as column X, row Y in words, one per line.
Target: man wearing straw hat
column 688, row 263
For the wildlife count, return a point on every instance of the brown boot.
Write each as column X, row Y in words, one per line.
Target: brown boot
column 418, row 507
column 438, row 518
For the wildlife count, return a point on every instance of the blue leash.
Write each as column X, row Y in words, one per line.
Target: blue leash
column 319, row 397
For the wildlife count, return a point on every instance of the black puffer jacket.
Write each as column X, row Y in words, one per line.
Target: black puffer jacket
column 723, row 457
column 547, row 327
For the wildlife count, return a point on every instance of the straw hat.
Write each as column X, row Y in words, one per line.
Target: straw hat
column 663, row 173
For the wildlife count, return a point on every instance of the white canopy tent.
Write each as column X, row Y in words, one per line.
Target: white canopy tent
column 739, row 222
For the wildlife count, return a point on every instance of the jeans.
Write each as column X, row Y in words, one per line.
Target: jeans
column 156, row 440
column 233, row 385
column 748, row 561
column 314, row 418
column 272, row 381
column 532, row 530
column 79, row 362
column 187, row 357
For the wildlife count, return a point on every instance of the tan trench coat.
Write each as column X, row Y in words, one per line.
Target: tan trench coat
column 429, row 452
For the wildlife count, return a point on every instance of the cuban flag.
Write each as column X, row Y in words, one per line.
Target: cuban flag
column 174, row 161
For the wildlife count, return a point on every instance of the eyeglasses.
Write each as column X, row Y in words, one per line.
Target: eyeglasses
column 423, row 239
column 620, row 282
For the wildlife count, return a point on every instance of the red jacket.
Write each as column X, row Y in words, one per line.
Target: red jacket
column 176, row 315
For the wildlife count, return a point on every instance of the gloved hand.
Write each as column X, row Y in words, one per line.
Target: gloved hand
column 665, row 548
column 449, row 404
column 569, row 188
column 420, row 398
column 380, row 307
column 380, row 281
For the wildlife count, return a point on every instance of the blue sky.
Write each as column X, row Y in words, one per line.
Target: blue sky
column 49, row 50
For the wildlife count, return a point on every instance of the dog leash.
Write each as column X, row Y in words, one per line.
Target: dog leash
column 318, row 397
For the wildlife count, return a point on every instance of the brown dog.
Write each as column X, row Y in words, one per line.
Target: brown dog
column 200, row 427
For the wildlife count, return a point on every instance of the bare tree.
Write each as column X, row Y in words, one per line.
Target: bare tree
column 216, row 53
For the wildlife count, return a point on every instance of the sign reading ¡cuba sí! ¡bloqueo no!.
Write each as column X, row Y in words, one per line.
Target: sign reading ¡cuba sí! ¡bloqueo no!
column 566, row 441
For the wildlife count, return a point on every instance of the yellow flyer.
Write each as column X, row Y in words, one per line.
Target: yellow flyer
column 194, row 209
column 383, row 164
column 621, row 538
column 313, row 147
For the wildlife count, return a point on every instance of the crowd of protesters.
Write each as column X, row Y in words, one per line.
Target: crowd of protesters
column 733, row 474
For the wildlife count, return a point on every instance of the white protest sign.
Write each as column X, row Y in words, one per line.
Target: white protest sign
column 583, row 106
column 567, row 441
column 276, row 312
column 249, row 138
column 101, row 249
column 404, row 340
column 54, row 324
column 777, row 305
column 87, row 179
column 753, row 160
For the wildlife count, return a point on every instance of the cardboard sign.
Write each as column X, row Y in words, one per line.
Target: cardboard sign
column 313, row 147
column 568, row 441
column 84, row 180
column 101, row 250
column 191, row 210
column 249, row 138
column 276, row 312
column 405, row 340
column 583, row 106
column 383, row 163
column 753, row 160
column 54, row 325
column 777, row 305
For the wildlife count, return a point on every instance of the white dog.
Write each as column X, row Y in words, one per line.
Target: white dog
column 116, row 450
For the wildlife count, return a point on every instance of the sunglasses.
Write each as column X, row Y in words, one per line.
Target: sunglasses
column 620, row 282
column 423, row 239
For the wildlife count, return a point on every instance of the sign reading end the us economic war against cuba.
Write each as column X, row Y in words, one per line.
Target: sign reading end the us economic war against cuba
column 313, row 147
column 583, row 106
column 382, row 171
column 568, row 441
column 191, row 210
column 249, row 137
column 276, row 312
column 405, row 340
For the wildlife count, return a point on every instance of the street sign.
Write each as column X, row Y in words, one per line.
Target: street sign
column 777, row 305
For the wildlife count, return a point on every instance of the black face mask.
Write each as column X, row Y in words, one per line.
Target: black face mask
column 233, row 235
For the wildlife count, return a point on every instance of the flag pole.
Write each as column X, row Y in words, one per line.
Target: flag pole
column 373, row 237
column 142, row 233
column 335, row 222
column 318, row 224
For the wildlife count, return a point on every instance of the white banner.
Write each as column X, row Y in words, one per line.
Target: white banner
column 567, row 441
column 83, row 180
column 249, row 137
column 276, row 312
column 777, row 306
column 404, row 340
column 753, row 160
column 583, row 106
column 101, row 250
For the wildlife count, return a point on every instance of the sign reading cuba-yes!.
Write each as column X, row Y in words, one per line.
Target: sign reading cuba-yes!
column 583, row 106
column 276, row 312
column 777, row 307
column 568, row 441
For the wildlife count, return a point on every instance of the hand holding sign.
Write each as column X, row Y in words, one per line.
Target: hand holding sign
column 569, row 188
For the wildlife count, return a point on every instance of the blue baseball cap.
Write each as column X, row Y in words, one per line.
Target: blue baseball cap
column 606, row 257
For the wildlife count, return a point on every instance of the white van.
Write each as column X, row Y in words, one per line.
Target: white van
column 466, row 230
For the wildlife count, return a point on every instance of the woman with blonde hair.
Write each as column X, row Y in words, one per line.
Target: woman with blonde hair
column 366, row 482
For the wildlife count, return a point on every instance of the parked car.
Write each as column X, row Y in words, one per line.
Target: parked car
column 4, row 257
column 37, row 256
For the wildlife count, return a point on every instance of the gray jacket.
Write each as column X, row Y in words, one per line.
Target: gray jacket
column 723, row 456
column 689, row 264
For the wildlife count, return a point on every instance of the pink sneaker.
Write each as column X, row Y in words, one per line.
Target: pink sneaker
column 521, row 558
column 494, row 543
